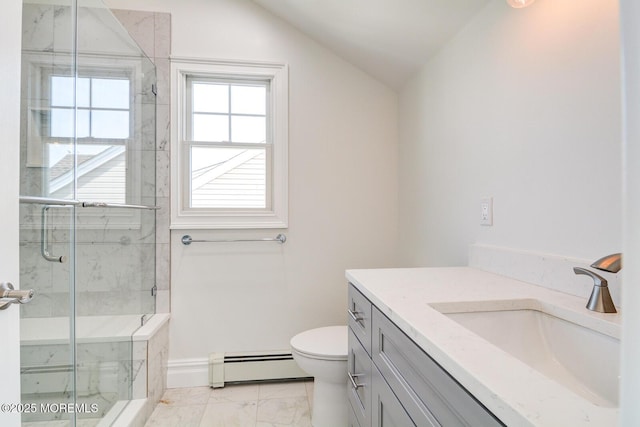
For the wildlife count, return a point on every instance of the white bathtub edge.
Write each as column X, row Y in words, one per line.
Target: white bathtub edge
column 155, row 322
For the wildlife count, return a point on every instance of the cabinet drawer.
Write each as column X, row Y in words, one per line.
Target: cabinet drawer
column 386, row 409
column 359, row 383
column 360, row 317
column 430, row 392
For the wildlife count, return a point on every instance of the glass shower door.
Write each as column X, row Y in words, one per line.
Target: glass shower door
column 87, row 240
column 47, row 252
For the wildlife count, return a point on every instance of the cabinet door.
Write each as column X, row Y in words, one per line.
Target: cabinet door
column 426, row 390
column 386, row 410
column 360, row 317
column 353, row 420
column 359, row 370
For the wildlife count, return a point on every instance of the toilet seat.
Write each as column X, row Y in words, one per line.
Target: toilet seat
column 328, row 343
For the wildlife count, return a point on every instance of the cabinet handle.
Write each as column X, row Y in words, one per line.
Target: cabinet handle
column 355, row 315
column 352, row 378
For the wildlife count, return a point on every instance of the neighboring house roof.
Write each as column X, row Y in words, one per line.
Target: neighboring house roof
column 65, row 165
column 237, row 182
column 101, row 177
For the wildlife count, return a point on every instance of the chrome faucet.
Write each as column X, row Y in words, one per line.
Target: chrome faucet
column 611, row 263
column 600, row 299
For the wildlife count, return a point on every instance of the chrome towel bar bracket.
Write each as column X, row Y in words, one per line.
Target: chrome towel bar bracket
column 187, row 240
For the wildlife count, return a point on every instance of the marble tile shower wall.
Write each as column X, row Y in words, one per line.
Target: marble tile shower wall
column 119, row 253
column 152, row 32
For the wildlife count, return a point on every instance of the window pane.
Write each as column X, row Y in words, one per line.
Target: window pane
column 62, row 123
column 248, row 99
column 209, row 127
column 248, row 129
column 101, row 172
column 62, row 91
column 228, row 178
column 110, row 93
column 210, row 98
column 110, row 124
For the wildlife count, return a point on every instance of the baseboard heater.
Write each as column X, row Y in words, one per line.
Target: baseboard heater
column 251, row 367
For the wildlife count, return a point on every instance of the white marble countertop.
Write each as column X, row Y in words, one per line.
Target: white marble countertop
column 517, row 394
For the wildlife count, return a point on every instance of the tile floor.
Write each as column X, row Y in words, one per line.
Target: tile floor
column 277, row 404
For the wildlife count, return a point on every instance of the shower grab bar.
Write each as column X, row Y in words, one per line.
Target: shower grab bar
column 116, row 205
column 280, row 238
column 44, row 240
column 48, row 201
column 64, row 202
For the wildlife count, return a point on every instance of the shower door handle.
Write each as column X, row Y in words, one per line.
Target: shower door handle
column 8, row 295
column 44, row 241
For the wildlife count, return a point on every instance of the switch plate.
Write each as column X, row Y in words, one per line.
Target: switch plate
column 486, row 211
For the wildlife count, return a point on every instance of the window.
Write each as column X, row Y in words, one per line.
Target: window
column 99, row 116
column 101, row 124
column 229, row 145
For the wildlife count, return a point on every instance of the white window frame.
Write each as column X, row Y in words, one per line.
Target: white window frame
column 276, row 216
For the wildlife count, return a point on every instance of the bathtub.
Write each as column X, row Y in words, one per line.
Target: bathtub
column 116, row 358
column 89, row 329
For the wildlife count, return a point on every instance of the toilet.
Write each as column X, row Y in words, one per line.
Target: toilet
column 322, row 353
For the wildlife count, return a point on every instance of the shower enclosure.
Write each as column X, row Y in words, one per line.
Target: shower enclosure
column 87, row 238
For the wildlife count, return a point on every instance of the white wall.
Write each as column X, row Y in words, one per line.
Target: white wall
column 630, row 410
column 522, row 105
column 342, row 181
column 10, row 34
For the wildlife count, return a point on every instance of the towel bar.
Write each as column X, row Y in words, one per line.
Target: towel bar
column 280, row 238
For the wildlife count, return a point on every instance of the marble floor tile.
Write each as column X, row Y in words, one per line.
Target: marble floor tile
column 291, row 411
column 235, row 393
column 275, row 404
column 230, row 414
column 186, row 396
column 309, row 386
column 280, row 390
column 173, row 416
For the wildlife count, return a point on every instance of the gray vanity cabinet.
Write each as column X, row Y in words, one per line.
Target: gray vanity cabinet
column 401, row 385
column 387, row 411
column 359, row 361
column 360, row 318
column 359, row 391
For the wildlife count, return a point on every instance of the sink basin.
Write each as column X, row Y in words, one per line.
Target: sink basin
column 576, row 356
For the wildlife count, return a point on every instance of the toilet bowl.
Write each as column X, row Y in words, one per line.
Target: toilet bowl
column 322, row 353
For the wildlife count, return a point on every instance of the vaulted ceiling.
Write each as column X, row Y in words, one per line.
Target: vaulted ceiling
column 388, row 39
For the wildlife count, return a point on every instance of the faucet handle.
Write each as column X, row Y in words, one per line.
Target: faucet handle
column 598, row 280
column 600, row 299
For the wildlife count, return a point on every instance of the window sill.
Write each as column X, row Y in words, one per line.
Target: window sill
column 228, row 223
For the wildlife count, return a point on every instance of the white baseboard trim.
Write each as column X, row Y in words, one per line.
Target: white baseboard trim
column 188, row 373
